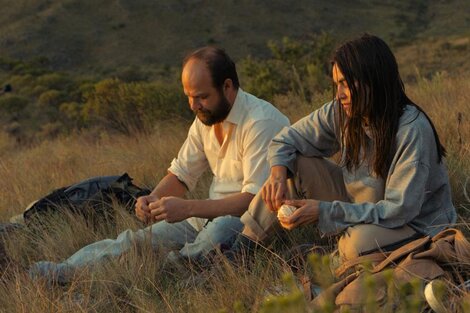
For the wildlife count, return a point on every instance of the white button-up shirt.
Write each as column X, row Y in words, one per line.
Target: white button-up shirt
column 239, row 164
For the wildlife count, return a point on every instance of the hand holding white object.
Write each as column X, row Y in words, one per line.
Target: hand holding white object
column 306, row 211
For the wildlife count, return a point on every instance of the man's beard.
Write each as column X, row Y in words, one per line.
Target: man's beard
column 217, row 115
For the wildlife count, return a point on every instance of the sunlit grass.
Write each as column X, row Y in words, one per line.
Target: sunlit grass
column 137, row 282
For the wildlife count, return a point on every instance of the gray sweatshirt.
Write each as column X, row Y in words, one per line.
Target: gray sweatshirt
column 416, row 191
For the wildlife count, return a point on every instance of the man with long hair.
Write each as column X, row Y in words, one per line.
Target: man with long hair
column 390, row 184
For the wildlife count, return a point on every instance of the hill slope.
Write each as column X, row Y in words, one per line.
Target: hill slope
column 102, row 34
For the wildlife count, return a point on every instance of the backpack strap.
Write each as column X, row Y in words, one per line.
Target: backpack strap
column 383, row 258
column 448, row 247
column 372, row 258
column 395, row 256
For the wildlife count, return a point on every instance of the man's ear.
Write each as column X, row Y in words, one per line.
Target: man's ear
column 228, row 84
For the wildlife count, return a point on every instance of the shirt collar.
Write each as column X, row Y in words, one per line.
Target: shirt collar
column 235, row 115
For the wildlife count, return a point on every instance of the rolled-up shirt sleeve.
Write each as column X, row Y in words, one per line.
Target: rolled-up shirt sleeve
column 312, row 136
column 191, row 161
column 255, row 145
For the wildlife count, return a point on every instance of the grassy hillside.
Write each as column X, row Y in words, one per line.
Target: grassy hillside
column 104, row 34
column 76, row 64
column 137, row 282
column 431, row 55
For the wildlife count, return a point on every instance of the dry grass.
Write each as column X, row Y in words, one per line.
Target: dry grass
column 29, row 173
column 442, row 98
column 136, row 282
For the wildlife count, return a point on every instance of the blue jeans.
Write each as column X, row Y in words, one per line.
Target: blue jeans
column 180, row 236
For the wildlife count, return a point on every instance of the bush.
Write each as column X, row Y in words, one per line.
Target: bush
column 72, row 113
column 263, row 78
column 50, row 99
column 129, row 107
column 57, row 81
column 12, row 105
column 299, row 66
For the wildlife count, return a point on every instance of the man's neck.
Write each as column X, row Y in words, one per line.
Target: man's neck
column 232, row 96
column 218, row 127
column 219, row 132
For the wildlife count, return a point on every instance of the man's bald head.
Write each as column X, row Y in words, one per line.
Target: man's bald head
column 219, row 64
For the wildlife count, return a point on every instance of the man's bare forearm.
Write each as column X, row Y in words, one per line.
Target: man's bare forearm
column 176, row 209
column 234, row 205
column 170, row 185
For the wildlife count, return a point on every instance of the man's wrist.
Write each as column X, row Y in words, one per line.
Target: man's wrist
column 191, row 207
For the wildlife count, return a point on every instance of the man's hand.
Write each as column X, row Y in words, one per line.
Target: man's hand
column 274, row 190
column 308, row 212
column 142, row 210
column 170, row 209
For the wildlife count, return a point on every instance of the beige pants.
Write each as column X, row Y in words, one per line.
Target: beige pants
column 317, row 178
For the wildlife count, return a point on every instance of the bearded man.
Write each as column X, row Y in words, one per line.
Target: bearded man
column 230, row 136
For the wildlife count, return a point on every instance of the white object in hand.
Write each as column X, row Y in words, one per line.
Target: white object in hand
column 285, row 210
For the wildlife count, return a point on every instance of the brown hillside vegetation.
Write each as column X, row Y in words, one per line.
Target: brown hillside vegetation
column 427, row 56
column 92, row 88
column 105, row 34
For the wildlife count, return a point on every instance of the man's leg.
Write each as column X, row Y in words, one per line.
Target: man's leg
column 159, row 234
column 364, row 239
column 315, row 178
column 221, row 231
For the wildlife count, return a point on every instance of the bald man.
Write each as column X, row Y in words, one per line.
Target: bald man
column 230, row 136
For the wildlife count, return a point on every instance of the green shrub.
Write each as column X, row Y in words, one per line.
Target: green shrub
column 264, row 78
column 58, row 81
column 129, row 107
column 299, row 66
column 50, row 98
column 12, row 105
column 72, row 113
column 20, row 82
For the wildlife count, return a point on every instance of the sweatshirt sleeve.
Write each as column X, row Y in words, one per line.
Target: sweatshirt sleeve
column 405, row 188
column 312, row 136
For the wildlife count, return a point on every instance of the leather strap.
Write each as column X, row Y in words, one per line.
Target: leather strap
column 368, row 258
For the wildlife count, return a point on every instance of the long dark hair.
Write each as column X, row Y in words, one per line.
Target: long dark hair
column 377, row 97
